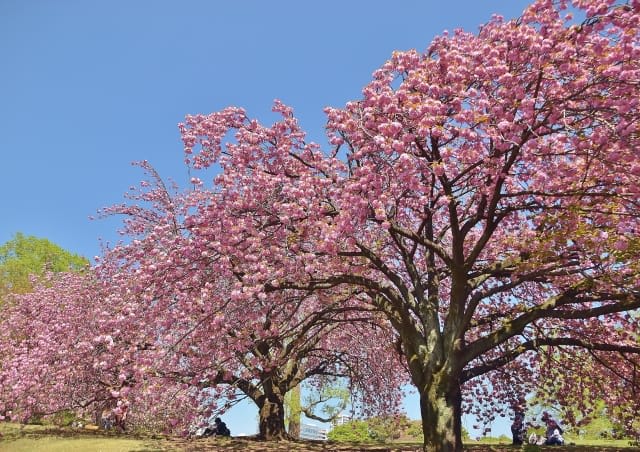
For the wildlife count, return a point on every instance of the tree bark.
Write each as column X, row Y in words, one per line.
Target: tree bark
column 294, row 412
column 294, row 428
column 271, row 424
column 441, row 410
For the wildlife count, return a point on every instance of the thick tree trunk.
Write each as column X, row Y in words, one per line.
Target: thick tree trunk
column 271, row 423
column 441, row 409
column 294, row 412
column 294, row 428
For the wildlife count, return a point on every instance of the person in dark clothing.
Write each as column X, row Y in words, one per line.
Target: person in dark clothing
column 221, row 428
column 518, row 428
column 209, row 431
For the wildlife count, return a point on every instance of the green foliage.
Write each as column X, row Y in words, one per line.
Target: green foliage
column 384, row 429
column 325, row 400
column 36, row 419
column 414, row 430
column 63, row 418
column 353, row 431
column 380, row 429
column 599, row 426
column 23, row 256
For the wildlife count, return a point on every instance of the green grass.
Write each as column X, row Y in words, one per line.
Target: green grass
column 571, row 445
column 600, row 442
column 36, row 438
column 620, row 443
column 52, row 444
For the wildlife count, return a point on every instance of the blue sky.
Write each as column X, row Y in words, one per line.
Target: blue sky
column 87, row 87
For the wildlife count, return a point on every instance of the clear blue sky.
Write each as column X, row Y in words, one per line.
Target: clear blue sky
column 86, row 87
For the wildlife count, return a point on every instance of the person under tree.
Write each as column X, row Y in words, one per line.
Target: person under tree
column 518, row 428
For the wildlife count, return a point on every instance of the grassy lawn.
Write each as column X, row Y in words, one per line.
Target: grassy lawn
column 602, row 442
column 575, row 443
column 33, row 438
column 52, row 444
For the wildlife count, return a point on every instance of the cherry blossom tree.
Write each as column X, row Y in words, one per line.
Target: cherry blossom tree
column 91, row 343
column 482, row 195
column 163, row 330
column 52, row 358
column 24, row 259
column 220, row 335
column 75, row 344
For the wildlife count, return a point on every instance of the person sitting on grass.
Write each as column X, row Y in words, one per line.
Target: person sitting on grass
column 221, row 428
column 554, row 432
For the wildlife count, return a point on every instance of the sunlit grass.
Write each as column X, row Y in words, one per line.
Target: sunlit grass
column 600, row 442
column 38, row 438
column 53, row 444
column 35, row 438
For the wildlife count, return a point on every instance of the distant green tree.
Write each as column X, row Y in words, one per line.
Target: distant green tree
column 380, row 429
column 387, row 428
column 323, row 402
column 24, row 255
column 595, row 426
column 415, row 430
column 353, row 431
column 326, row 399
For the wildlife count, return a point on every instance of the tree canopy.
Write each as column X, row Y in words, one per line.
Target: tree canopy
column 482, row 194
column 26, row 256
column 163, row 317
column 476, row 212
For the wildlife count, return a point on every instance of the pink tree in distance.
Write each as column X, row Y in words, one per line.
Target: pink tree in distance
column 68, row 345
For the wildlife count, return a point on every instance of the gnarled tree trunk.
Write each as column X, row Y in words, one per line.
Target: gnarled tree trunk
column 441, row 410
column 271, row 411
column 438, row 383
